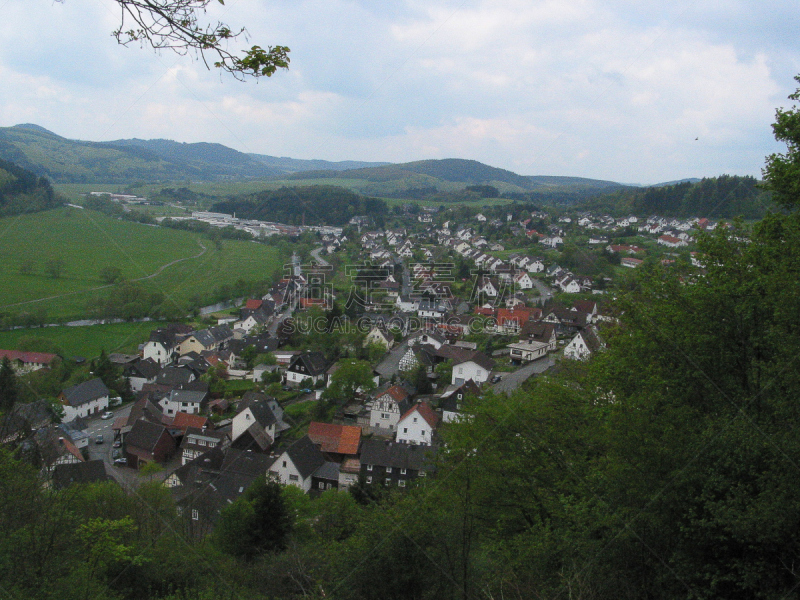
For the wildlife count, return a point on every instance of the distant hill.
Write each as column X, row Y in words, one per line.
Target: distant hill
column 444, row 180
column 123, row 161
column 135, row 160
column 285, row 164
column 22, row 191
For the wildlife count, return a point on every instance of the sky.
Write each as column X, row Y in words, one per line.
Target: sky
column 634, row 91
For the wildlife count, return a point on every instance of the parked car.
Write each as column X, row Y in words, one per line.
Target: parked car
column 99, row 439
column 107, row 415
column 121, row 461
column 117, row 444
column 495, row 379
column 306, row 390
column 116, row 454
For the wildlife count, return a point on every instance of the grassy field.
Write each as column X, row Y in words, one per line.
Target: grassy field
column 179, row 264
column 86, row 341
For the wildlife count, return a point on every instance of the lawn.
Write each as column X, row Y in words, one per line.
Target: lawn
column 86, row 341
column 179, row 264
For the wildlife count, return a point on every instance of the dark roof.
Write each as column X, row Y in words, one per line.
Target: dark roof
column 174, row 376
column 146, row 368
column 391, row 454
column 144, row 435
column 314, row 363
column 85, row 392
column 242, row 462
column 93, row 471
column 258, row 404
column 305, row 456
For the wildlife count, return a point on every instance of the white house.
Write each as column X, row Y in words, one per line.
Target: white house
column 583, row 345
column 186, row 401
column 84, row 400
column 478, row 368
column 298, row 463
column 523, row 281
column 529, row 350
column 387, row 408
column 417, row 425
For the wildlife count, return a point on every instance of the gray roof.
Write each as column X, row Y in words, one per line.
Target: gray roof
column 189, row 396
column 258, row 404
column 306, row 456
column 328, row 470
column 391, row 454
column 85, row 392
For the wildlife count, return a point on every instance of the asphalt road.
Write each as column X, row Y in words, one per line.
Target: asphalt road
column 513, row 380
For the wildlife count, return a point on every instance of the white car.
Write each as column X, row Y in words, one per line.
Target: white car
column 106, row 415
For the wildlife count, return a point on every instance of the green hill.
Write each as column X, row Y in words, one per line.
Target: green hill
column 123, row 161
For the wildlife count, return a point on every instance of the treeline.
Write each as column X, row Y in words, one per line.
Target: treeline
column 726, row 196
column 312, row 205
column 108, row 207
column 22, row 191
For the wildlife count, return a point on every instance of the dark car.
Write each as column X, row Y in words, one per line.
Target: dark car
column 99, row 439
column 495, row 379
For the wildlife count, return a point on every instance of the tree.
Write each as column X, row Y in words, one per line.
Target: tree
column 54, row 267
column 782, row 171
column 178, row 25
column 351, row 376
column 110, row 274
column 8, row 385
column 256, row 523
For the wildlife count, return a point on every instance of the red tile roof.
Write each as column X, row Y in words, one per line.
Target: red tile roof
column 183, row 420
column 397, row 393
column 254, row 304
column 426, row 412
column 341, row 439
column 39, row 358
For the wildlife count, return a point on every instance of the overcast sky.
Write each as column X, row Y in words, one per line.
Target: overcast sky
column 635, row 91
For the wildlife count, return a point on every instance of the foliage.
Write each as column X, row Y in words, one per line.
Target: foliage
column 256, row 523
column 782, row 171
column 312, row 205
column 22, row 191
column 9, row 392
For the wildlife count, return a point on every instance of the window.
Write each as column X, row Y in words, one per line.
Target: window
column 369, row 467
column 293, row 478
column 195, row 514
column 179, row 510
column 402, row 471
column 321, row 485
column 388, row 481
column 369, row 479
column 405, row 429
column 415, row 419
column 401, row 483
column 422, row 473
column 284, row 464
column 388, row 469
column 247, row 416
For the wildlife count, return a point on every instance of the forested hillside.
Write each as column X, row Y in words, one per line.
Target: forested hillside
column 726, row 196
column 23, row 192
column 312, row 205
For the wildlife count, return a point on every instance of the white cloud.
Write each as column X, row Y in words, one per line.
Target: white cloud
column 615, row 89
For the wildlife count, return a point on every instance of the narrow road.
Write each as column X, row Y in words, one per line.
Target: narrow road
column 320, row 261
column 513, row 380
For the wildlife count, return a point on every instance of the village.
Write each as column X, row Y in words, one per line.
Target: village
column 348, row 368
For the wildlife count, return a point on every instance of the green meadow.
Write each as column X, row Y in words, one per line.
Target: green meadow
column 181, row 265
column 85, row 341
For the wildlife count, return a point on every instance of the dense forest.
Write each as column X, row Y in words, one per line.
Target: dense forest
column 22, row 191
column 726, row 196
column 312, row 205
